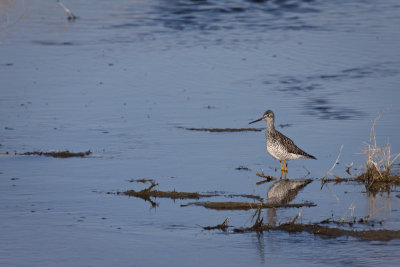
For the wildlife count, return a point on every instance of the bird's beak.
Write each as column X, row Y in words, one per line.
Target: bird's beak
column 256, row 121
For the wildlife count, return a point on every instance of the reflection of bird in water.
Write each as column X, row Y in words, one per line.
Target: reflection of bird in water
column 279, row 146
column 282, row 192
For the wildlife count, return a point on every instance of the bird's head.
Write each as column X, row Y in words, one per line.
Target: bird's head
column 268, row 116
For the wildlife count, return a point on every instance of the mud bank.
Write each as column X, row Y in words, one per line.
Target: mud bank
column 371, row 235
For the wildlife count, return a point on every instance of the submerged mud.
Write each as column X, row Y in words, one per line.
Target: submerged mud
column 350, row 222
column 219, row 130
column 59, row 154
column 165, row 194
column 148, row 193
column 316, row 229
column 223, row 226
column 242, row 168
column 142, row 180
column 280, row 194
column 228, row 205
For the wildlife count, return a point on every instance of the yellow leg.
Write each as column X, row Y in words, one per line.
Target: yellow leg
column 281, row 165
column 284, row 163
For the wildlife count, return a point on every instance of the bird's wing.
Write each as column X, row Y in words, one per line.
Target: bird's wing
column 290, row 145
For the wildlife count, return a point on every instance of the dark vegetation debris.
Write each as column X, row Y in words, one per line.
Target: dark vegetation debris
column 242, row 168
column 223, row 226
column 142, row 180
column 59, row 154
column 219, row 130
column 268, row 178
column 338, row 179
column 376, row 181
column 352, row 221
column 148, row 193
column 244, row 195
column 316, row 229
column 229, row 205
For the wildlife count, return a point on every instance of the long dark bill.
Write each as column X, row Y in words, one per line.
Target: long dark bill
column 256, row 121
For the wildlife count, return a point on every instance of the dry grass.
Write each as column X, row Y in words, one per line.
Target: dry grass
column 329, row 172
column 378, row 167
column 379, row 161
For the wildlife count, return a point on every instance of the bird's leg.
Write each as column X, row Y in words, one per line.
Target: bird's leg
column 281, row 174
column 284, row 163
column 281, row 165
column 285, row 175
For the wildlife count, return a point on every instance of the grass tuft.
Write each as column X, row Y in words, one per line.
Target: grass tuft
column 379, row 162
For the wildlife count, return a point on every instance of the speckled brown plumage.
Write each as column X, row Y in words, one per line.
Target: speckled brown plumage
column 279, row 146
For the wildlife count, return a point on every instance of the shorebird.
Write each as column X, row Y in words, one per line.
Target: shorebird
column 279, row 146
column 284, row 191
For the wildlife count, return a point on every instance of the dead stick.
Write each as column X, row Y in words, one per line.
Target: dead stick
column 69, row 13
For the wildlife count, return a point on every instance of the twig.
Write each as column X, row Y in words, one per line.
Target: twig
column 259, row 220
column 69, row 13
column 334, row 164
column 147, row 190
column 224, row 224
column 348, row 168
column 327, row 220
column 268, row 177
column 296, row 217
column 221, row 226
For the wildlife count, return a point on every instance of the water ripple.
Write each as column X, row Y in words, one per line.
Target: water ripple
column 323, row 108
column 212, row 15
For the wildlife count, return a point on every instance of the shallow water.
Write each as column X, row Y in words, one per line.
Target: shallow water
column 127, row 77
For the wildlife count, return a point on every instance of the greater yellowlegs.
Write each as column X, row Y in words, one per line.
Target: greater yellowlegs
column 284, row 191
column 279, row 146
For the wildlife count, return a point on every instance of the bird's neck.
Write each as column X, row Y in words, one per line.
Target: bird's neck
column 270, row 126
